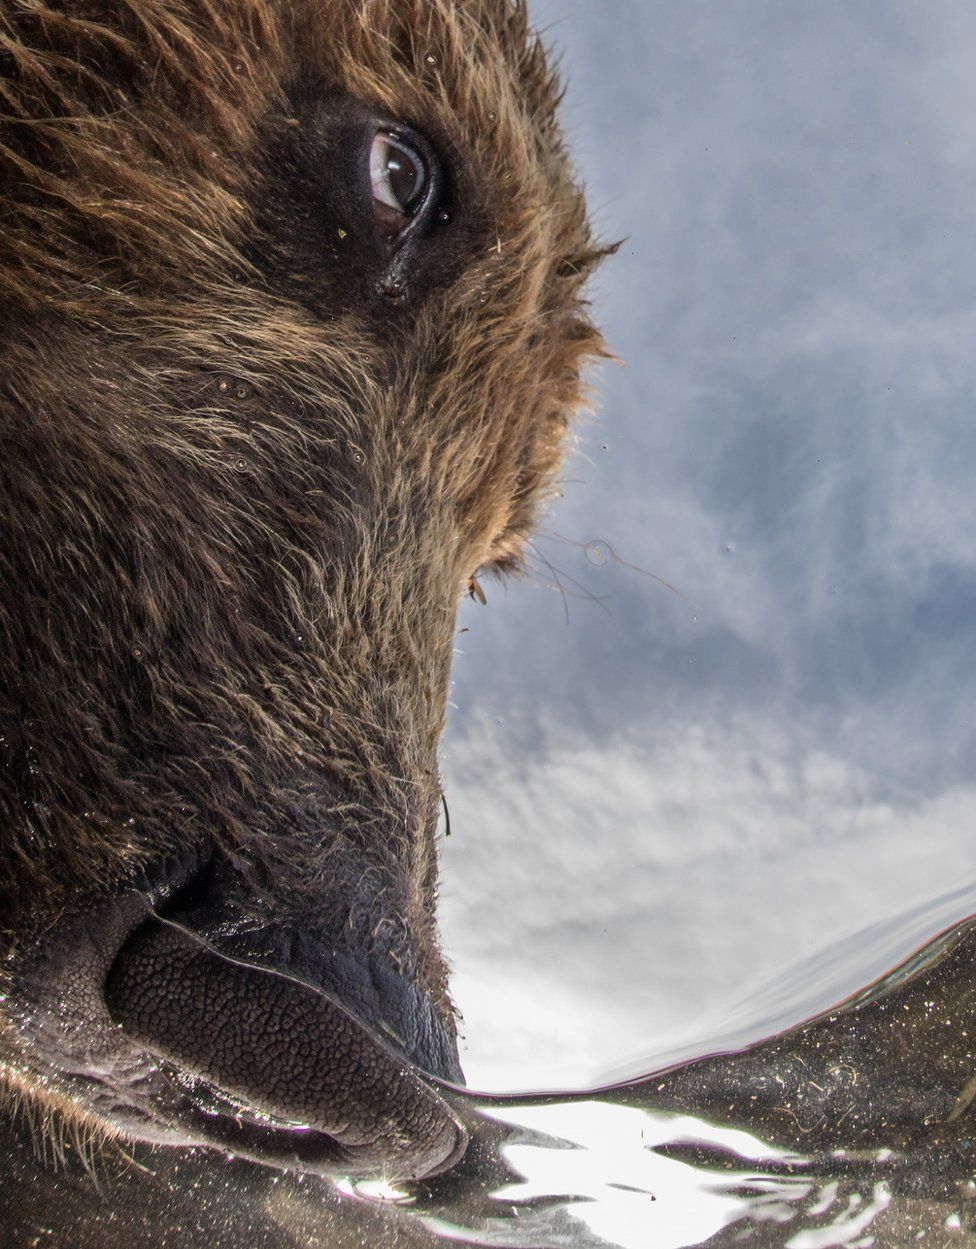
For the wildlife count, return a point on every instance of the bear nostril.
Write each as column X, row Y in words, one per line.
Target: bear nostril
column 287, row 1051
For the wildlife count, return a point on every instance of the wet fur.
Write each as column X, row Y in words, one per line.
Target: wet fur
column 242, row 492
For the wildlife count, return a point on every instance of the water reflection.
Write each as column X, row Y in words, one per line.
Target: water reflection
column 625, row 1187
column 854, row 1129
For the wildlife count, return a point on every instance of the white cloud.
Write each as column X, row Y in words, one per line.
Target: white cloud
column 606, row 906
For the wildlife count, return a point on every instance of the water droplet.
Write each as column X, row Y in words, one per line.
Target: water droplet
column 223, row 385
column 241, row 391
column 392, row 287
column 137, row 652
column 239, row 67
column 491, row 116
column 430, row 58
column 444, row 216
column 240, row 465
column 596, row 553
column 358, row 457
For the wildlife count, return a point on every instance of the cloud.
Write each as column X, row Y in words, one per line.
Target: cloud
column 632, row 901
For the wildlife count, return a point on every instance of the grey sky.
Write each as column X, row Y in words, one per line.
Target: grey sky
column 687, row 794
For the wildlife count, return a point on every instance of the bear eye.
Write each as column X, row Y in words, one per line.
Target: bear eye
column 399, row 177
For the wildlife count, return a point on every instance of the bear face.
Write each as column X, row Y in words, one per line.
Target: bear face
column 292, row 330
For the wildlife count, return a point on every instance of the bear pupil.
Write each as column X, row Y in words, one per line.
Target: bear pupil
column 403, row 179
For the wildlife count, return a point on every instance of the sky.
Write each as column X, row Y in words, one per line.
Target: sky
column 737, row 751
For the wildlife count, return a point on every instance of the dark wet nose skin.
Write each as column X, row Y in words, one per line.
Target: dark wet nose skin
column 285, row 1050
column 346, row 936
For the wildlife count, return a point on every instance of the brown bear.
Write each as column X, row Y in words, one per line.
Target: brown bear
column 291, row 331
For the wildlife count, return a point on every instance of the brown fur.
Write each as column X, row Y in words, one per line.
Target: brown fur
column 240, row 504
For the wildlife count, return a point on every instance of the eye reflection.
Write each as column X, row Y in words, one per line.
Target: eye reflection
column 398, row 176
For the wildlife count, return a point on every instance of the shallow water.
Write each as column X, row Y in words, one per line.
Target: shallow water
column 854, row 1129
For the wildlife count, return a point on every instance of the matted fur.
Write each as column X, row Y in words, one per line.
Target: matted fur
column 237, row 518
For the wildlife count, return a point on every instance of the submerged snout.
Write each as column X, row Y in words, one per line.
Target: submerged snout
column 295, row 1063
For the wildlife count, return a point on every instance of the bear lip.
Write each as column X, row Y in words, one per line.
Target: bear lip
column 56, row 998
column 278, row 1056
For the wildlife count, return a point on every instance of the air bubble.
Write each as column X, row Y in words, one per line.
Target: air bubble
column 240, row 465
column 223, row 385
column 241, row 391
column 430, row 58
column 358, row 457
column 138, row 652
column 730, row 548
column 596, row 553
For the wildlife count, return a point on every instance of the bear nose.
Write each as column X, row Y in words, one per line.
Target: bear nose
column 287, row 1053
column 346, row 935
